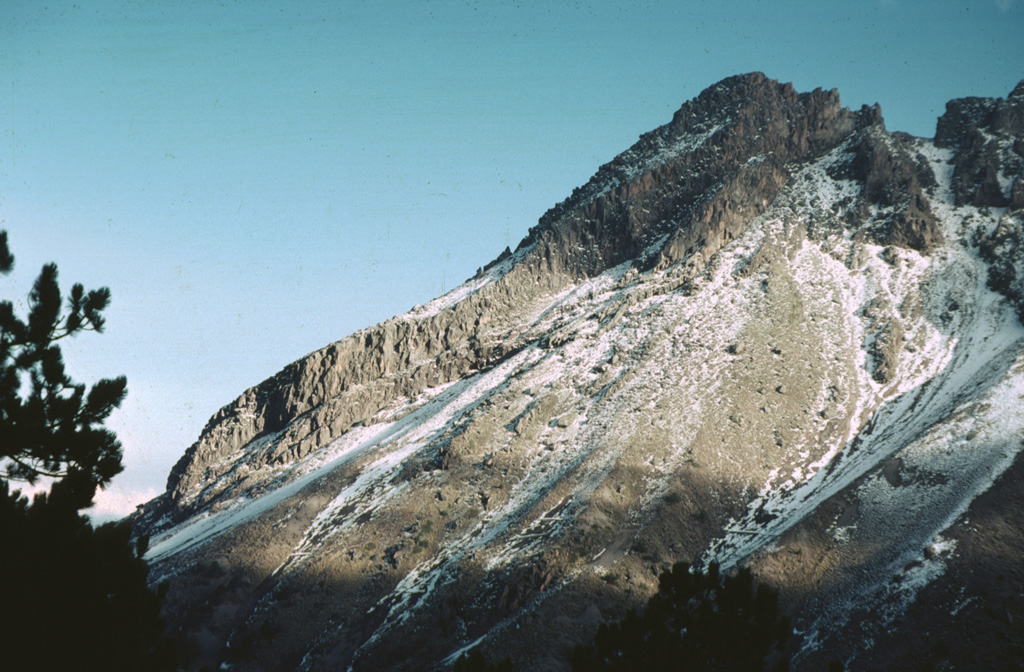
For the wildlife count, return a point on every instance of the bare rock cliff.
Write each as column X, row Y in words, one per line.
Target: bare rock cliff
column 772, row 332
column 679, row 194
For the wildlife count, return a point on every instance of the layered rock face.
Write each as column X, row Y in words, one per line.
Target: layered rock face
column 770, row 332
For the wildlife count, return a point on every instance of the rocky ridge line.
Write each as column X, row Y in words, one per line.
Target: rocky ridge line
column 679, row 194
column 675, row 392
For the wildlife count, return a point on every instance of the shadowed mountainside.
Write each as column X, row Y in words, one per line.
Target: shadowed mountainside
column 770, row 332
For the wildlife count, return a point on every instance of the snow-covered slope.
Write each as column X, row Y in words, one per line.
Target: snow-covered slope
column 770, row 327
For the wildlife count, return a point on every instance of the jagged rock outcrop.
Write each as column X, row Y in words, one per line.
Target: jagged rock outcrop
column 1004, row 250
column 689, row 186
column 895, row 177
column 719, row 162
column 986, row 133
column 770, row 332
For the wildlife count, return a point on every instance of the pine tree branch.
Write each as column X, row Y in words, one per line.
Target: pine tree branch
column 37, row 470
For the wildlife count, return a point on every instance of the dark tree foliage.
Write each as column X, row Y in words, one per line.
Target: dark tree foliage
column 75, row 597
column 51, row 426
column 72, row 597
column 697, row 621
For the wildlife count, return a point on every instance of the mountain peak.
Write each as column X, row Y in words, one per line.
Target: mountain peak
column 728, row 145
column 770, row 332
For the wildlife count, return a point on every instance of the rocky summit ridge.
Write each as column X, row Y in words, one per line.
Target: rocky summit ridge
column 771, row 332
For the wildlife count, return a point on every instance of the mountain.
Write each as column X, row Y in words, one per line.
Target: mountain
column 770, row 333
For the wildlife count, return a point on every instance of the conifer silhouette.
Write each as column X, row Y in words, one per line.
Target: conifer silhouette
column 697, row 621
column 74, row 597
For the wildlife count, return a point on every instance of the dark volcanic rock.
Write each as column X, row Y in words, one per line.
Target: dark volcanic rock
column 894, row 175
column 961, row 117
column 1004, row 250
column 976, row 175
column 985, row 133
column 1017, row 194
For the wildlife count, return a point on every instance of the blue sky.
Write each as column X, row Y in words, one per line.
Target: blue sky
column 254, row 180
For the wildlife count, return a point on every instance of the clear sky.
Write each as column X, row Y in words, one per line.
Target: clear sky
column 254, row 180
